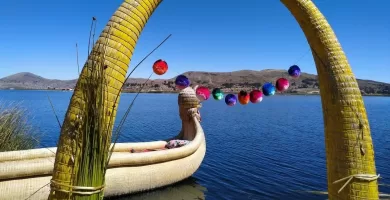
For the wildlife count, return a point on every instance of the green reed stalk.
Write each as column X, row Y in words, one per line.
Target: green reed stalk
column 95, row 140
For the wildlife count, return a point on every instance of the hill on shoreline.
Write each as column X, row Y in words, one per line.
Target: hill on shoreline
column 228, row 81
column 30, row 81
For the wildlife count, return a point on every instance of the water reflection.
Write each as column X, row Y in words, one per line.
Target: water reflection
column 186, row 189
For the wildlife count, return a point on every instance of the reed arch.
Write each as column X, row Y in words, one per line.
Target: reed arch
column 349, row 149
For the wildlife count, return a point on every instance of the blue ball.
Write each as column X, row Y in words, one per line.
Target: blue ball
column 268, row 89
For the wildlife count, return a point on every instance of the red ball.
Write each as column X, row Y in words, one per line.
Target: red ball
column 243, row 97
column 256, row 96
column 282, row 84
column 160, row 67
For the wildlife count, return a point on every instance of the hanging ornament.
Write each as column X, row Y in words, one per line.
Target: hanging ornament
column 256, row 96
column 243, row 97
column 182, row 82
column 282, row 84
column 203, row 93
column 230, row 99
column 294, row 71
column 160, row 67
column 268, row 89
column 217, row 94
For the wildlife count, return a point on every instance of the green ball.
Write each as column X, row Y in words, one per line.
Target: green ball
column 217, row 94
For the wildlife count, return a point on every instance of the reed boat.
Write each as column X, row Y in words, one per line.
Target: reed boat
column 27, row 174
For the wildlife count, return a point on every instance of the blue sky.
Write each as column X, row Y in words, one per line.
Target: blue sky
column 207, row 35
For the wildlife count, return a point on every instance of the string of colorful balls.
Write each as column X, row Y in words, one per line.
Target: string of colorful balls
column 255, row 96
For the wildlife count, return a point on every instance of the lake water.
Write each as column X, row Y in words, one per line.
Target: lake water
column 271, row 150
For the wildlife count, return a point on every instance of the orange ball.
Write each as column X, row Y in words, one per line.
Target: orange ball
column 160, row 67
column 243, row 97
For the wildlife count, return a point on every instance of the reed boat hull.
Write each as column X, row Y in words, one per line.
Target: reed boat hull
column 25, row 174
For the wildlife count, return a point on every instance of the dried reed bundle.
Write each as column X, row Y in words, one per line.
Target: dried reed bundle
column 82, row 155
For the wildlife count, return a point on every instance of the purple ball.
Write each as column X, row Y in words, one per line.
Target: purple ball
column 230, row 99
column 182, row 82
column 294, row 71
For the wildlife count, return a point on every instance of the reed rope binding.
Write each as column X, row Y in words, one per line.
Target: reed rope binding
column 83, row 190
column 362, row 177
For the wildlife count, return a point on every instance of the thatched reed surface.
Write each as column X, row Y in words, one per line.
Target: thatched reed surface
column 349, row 149
column 124, row 176
column 121, row 157
column 50, row 152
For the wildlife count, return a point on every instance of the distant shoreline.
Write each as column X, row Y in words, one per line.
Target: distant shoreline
column 229, row 82
column 175, row 92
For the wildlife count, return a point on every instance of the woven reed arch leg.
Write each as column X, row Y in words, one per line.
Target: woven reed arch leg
column 349, row 149
column 115, row 48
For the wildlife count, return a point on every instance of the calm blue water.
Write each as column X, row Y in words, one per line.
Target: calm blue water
column 271, row 150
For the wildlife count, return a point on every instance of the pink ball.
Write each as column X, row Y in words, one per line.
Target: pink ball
column 203, row 93
column 282, row 84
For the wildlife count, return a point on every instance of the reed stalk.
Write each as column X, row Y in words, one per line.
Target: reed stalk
column 94, row 138
column 89, row 134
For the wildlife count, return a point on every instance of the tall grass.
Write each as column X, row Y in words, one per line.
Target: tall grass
column 15, row 131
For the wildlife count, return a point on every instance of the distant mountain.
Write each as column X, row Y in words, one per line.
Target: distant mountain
column 228, row 81
column 26, row 80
